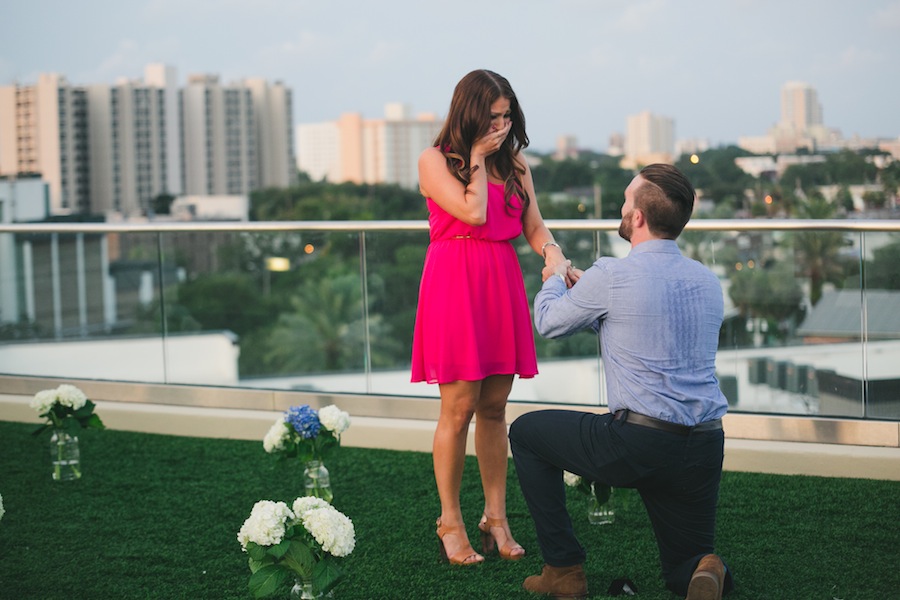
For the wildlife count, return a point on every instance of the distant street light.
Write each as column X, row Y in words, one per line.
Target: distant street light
column 278, row 263
column 274, row 263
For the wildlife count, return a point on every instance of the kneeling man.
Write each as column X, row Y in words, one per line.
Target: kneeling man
column 658, row 315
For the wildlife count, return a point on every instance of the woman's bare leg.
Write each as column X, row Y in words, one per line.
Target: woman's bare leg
column 492, row 450
column 458, row 400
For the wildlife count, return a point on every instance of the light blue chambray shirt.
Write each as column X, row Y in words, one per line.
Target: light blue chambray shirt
column 659, row 315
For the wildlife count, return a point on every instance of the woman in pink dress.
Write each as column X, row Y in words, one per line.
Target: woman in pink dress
column 473, row 329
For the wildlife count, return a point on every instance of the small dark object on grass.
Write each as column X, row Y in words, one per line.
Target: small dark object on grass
column 622, row 587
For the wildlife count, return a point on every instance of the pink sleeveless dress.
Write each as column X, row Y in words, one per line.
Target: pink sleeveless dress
column 472, row 319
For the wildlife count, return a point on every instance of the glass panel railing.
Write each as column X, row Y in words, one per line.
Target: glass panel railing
column 810, row 327
column 880, row 318
column 777, row 284
column 289, row 304
column 393, row 268
column 569, row 369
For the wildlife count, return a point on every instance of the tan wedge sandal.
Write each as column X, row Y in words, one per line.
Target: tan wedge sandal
column 465, row 556
column 509, row 550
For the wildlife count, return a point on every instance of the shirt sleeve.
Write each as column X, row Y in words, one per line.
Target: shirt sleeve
column 559, row 312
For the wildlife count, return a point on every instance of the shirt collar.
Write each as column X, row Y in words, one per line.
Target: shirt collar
column 657, row 246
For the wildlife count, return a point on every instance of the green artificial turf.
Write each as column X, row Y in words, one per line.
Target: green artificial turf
column 157, row 516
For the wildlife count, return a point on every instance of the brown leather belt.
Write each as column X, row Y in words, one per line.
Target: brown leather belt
column 626, row 416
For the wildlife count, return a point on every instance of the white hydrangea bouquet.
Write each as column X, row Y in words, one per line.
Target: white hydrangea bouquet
column 303, row 542
column 65, row 408
column 306, row 433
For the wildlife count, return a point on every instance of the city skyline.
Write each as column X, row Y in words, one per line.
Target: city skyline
column 579, row 68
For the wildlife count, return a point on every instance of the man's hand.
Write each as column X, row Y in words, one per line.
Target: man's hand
column 563, row 269
column 574, row 275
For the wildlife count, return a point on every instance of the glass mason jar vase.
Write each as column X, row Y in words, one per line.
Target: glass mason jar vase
column 65, row 456
column 600, row 505
column 303, row 590
column 317, row 482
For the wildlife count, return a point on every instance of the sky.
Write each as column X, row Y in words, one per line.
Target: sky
column 578, row 67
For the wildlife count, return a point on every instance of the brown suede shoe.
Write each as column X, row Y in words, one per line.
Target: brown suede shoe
column 559, row 582
column 708, row 579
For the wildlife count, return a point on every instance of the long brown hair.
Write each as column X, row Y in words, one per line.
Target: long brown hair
column 470, row 118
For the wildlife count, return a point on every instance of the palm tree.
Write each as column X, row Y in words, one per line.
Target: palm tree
column 327, row 331
column 817, row 252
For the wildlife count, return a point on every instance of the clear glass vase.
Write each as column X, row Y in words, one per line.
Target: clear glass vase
column 304, row 590
column 65, row 456
column 600, row 505
column 317, row 482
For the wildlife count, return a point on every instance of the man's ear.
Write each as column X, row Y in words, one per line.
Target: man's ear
column 637, row 218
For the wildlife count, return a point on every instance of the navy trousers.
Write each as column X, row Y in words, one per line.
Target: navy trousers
column 676, row 475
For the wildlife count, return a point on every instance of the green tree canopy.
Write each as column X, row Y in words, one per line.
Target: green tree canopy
column 772, row 293
column 717, row 175
column 229, row 301
column 317, row 201
column 882, row 271
column 818, row 252
column 845, row 167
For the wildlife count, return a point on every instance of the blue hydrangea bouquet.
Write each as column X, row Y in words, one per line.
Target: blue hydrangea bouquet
column 305, row 433
column 309, row 435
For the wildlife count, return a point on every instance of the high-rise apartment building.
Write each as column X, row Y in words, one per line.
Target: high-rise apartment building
column 220, row 150
column 129, row 149
column 272, row 105
column 115, row 148
column 649, row 138
column 566, row 147
column 43, row 129
column 800, row 108
column 318, row 151
column 801, row 124
column 367, row 150
column 164, row 77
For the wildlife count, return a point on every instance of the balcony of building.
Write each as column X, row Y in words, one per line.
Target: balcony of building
column 212, row 329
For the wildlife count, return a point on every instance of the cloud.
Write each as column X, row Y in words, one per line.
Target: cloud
column 7, row 70
column 384, row 52
column 175, row 10
column 638, row 16
column 120, row 62
column 128, row 59
column 888, row 17
column 304, row 47
column 856, row 58
column 601, row 57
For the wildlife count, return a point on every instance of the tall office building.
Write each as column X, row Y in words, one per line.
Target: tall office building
column 115, row 148
column 800, row 108
column 318, row 151
column 129, row 147
column 649, row 139
column 566, row 147
column 43, row 129
column 367, row 150
column 164, row 77
column 397, row 141
column 272, row 107
column 801, row 125
column 220, row 149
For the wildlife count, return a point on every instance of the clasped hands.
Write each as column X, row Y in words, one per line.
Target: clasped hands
column 570, row 274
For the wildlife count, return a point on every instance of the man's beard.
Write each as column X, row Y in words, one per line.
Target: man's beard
column 625, row 228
